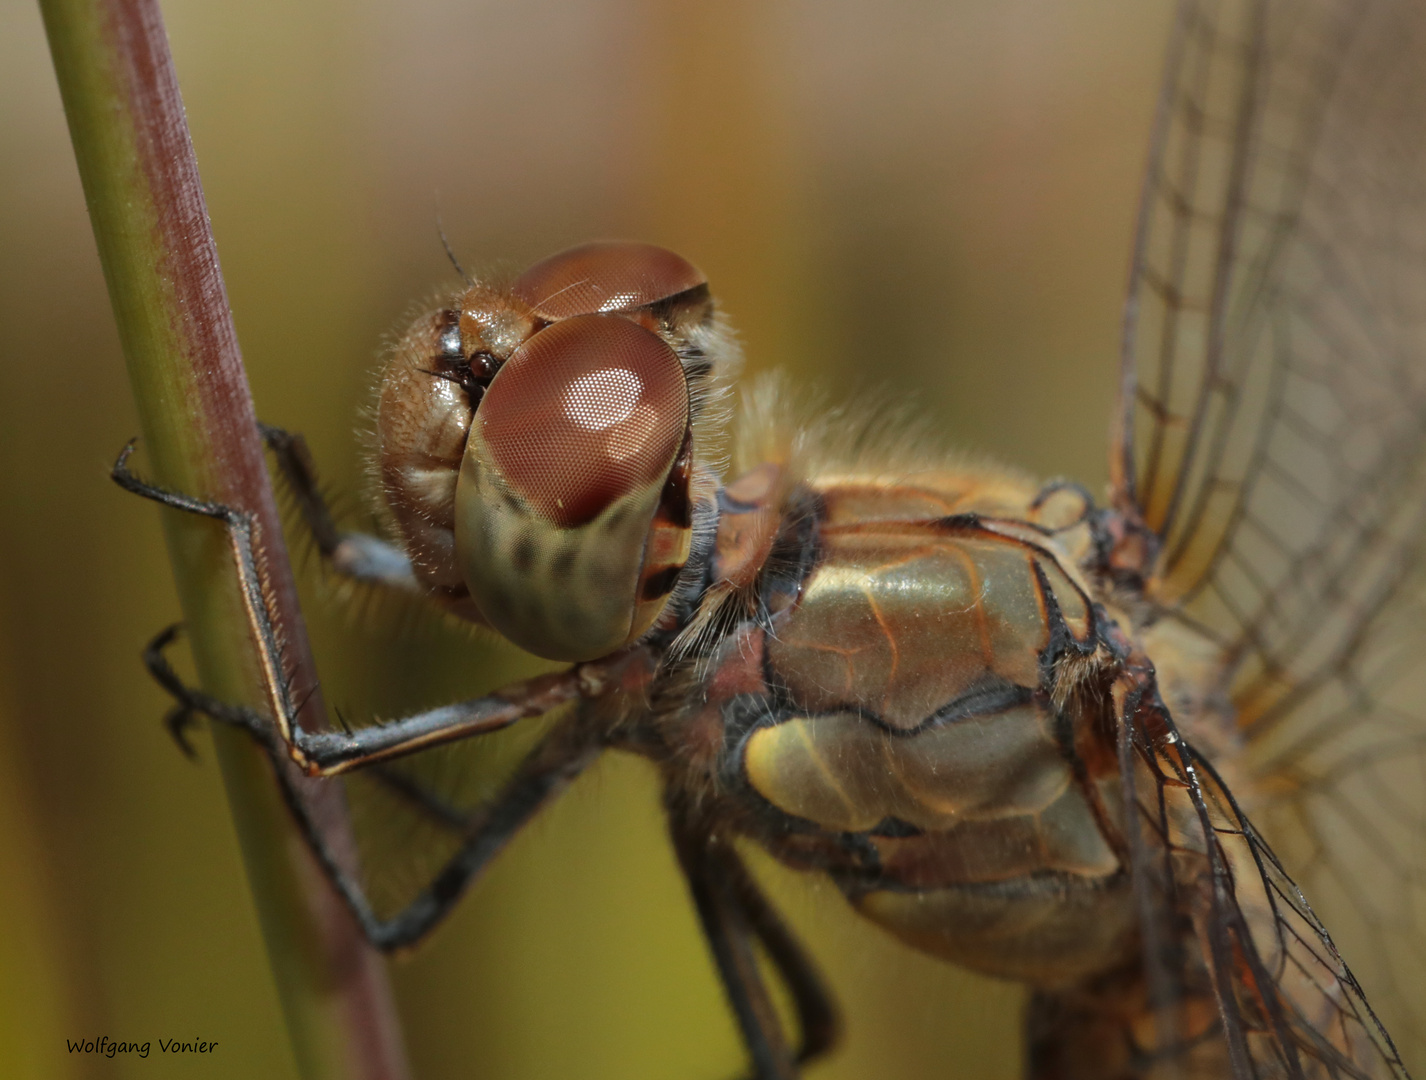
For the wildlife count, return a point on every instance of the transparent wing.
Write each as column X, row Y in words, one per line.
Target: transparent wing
column 1271, row 437
column 1340, row 759
column 1274, row 350
column 1247, row 982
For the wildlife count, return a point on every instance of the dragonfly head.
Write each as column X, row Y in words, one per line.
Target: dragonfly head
column 538, row 448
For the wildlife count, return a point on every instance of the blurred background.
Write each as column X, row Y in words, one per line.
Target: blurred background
column 930, row 197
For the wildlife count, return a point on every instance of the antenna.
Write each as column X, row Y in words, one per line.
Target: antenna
column 440, row 228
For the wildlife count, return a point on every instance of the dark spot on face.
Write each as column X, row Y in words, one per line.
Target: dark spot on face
column 674, row 505
column 894, row 827
column 660, row 584
column 496, row 602
column 595, row 574
column 524, row 555
column 473, row 373
column 616, row 518
column 562, row 567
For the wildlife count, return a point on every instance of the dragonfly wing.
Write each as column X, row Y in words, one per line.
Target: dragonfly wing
column 1273, row 339
column 1272, row 437
column 1339, row 757
column 1284, row 1003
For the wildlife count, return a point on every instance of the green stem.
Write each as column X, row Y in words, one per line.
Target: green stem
column 151, row 226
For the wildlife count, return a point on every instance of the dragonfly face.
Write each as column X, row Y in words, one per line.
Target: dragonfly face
column 1020, row 731
column 536, row 445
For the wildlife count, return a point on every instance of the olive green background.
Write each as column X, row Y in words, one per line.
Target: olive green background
column 934, row 198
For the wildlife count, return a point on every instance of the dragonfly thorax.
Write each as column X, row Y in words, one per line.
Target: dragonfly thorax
column 895, row 719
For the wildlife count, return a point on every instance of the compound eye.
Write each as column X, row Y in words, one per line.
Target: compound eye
column 582, row 414
column 571, row 508
column 612, row 275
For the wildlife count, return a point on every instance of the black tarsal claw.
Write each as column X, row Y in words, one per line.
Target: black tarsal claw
column 179, row 721
column 121, row 475
column 196, row 701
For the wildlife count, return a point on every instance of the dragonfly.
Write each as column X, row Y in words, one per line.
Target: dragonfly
column 1104, row 747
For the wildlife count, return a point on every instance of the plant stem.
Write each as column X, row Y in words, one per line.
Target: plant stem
column 151, row 226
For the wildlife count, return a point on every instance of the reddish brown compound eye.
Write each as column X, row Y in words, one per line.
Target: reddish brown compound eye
column 611, row 275
column 585, row 412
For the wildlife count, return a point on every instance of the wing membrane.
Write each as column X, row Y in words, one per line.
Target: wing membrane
column 1341, row 761
column 1265, row 993
column 1276, row 382
column 1271, row 436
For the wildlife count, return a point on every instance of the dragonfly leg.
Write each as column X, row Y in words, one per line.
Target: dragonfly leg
column 179, row 721
column 241, row 528
column 189, row 702
column 816, row 1012
column 328, row 753
column 325, row 753
column 734, row 914
column 353, row 555
column 548, row 770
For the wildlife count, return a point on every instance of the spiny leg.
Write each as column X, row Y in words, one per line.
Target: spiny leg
column 817, row 1016
column 550, row 768
column 734, row 913
column 354, row 555
column 240, row 527
column 178, row 722
column 325, row 753
column 731, row 941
